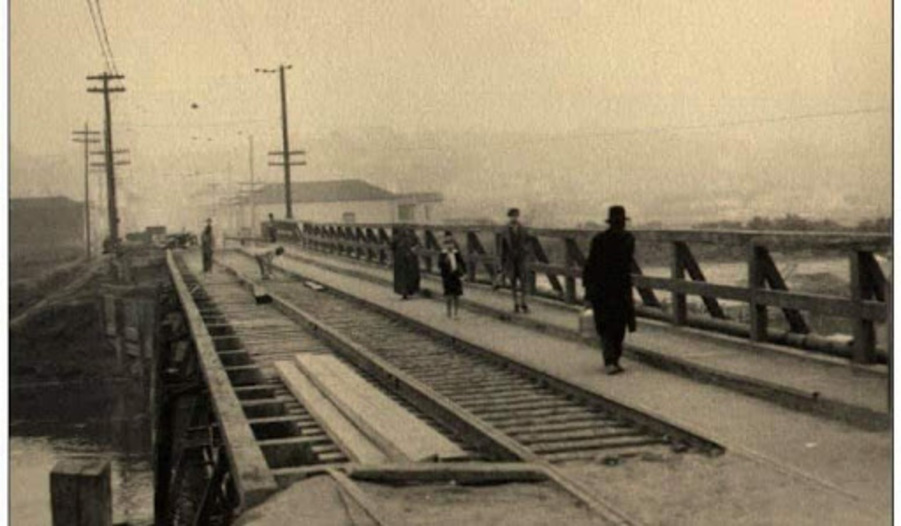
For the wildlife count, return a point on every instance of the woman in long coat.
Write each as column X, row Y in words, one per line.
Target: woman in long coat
column 406, row 263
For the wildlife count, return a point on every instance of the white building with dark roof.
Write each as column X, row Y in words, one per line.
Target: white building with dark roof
column 347, row 201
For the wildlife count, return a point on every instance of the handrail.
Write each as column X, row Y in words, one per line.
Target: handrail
column 766, row 289
column 251, row 474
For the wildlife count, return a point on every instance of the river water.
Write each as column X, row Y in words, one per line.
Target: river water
column 52, row 421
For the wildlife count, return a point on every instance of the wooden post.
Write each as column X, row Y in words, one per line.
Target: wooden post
column 472, row 253
column 889, row 349
column 80, row 493
column 575, row 260
column 498, row 251
column 864, row 350
column 680, row 307
column 756, row 281
column 385, row 255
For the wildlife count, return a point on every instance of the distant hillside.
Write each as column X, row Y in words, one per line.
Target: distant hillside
column 44, row 231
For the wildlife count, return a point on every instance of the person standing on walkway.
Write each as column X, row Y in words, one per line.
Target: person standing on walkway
column 608, row 286
column 406, row 262
column 453, row 268
column 206, row 245
column 264, row 257
column 271, row 229
column 514, row 252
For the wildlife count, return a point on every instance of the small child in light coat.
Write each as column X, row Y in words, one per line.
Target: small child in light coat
column 453, row 268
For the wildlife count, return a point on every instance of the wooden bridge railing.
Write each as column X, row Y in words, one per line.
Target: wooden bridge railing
column 559, row 255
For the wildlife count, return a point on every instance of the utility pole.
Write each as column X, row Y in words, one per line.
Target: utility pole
column 105, row 78
column 285, row 152
column 86, row 137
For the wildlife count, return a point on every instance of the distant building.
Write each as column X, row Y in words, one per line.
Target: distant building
column 348, row 201
column 45, row 224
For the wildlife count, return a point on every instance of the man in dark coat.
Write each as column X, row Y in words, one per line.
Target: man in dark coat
column 514, row 253
column 608, row 286
column 206, row 246
column 406, row 262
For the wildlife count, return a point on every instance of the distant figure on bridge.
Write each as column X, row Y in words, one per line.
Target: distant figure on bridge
column 264, row 257
column 608, row 286
column 453, row 268
column 271, row 229
column 514, row 252
column 206, row 245
column 406, row 262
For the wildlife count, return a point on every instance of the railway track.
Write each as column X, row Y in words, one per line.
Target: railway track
column 249, row 339
column 554, row 421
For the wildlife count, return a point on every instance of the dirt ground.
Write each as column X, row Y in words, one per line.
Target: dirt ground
column 505, row 504
column 692, row 489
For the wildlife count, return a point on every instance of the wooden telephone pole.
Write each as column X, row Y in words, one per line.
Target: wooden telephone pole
column 105, row 78
column 285, row 153
column 87, row 137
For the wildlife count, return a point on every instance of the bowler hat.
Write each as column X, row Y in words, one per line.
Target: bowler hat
column 513, row 212
column 616, row 213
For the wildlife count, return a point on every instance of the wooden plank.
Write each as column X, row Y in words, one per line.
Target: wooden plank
column 458, row 473
column 774, row 278
column 249, row 471
column 648, row 297
column 350, row 439
column 691, row 266
column 770, row 239
column 362, row 403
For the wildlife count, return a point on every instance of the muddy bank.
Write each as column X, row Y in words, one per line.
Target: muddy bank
column 63, row 342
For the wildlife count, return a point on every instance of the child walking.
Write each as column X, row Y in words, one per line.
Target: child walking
column 453, row 268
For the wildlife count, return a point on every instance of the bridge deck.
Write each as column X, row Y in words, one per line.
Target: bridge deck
column 825, row 453
column 774, row 372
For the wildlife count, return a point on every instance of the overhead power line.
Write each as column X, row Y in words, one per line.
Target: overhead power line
column 211, row 124
column 668, row 129
column 100, row 40
column 109, row 48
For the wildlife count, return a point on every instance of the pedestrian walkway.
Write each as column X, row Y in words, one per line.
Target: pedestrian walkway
column 827, row 457
column 797, row 379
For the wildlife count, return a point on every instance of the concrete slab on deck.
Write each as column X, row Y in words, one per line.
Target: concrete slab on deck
column 849, row 463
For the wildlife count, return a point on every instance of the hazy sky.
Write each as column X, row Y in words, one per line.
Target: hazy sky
column 565, row 68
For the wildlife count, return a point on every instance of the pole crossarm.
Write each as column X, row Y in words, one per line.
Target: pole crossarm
column 116, row 163
column 293, row 152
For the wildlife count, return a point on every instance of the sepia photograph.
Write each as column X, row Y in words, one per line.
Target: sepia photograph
column 471, row 262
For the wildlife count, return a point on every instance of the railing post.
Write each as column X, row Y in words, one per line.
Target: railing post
column 680, row 307
column 472, row 254
column 756, row 281
column 569, row 279
column 864, row 350
column 889, row 321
